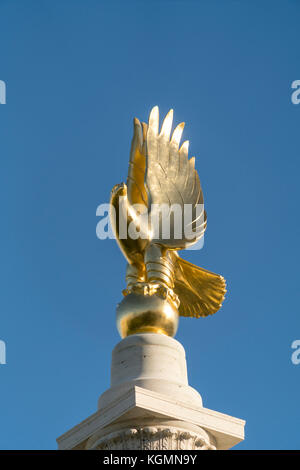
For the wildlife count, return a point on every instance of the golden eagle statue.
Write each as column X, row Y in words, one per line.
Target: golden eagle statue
column 161, row 285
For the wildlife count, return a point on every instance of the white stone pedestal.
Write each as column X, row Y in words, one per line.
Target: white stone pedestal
column 151, row 406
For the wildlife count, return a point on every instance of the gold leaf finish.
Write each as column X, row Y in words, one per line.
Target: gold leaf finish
column 161, row 285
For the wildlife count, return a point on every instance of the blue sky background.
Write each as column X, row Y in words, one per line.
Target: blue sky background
column 77, row 72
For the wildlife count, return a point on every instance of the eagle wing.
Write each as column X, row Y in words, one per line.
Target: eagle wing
column 172, row 180
column 136, row 191
column 200, row 292
column 125, row 196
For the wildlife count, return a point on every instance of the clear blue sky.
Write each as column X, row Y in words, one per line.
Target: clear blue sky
column 77, row 72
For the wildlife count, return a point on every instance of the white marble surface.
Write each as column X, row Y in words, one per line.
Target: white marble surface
column 153, row 362
column 149, row 391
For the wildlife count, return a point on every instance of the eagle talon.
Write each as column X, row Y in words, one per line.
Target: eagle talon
column 152, row 288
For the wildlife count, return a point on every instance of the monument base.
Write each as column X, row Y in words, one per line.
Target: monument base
column 150, row 405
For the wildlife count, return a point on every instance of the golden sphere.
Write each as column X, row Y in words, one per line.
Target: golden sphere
column 138, row 313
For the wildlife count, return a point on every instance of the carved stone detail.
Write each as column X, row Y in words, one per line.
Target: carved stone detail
column 153, row 438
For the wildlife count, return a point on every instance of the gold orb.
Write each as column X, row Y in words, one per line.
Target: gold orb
column 138, row 313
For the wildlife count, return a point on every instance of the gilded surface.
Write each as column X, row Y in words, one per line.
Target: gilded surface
column 160, row 284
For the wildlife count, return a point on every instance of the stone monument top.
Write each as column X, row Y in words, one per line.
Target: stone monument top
column 150, row 404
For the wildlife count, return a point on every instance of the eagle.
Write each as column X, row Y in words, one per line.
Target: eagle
column 161, row 174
